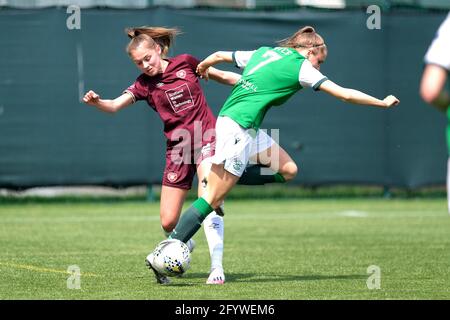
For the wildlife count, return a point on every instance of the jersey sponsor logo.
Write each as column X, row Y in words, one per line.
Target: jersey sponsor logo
column 181, row 74
column 180, row 98
column 172, row 176
column 247, row 85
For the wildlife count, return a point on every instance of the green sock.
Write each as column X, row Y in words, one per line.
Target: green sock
column 191, row 220
column 252, row 176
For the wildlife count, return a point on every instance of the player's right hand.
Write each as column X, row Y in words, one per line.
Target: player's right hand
column 391, row 101
column 91, row 98
column 203, row 71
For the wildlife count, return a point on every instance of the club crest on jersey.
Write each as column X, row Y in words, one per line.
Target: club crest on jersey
column 159, row 84
column 181, row 74
column 172, row 176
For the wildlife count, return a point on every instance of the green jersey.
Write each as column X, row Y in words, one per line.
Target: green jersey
column 271, row 76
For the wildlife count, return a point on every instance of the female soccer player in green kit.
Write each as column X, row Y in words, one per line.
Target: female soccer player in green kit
column 271, row 76
column 171, row 87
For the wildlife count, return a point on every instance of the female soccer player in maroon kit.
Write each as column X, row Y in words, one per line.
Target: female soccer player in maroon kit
column 171, row 87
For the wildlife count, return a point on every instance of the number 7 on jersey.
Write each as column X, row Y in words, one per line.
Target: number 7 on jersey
column 270, row 56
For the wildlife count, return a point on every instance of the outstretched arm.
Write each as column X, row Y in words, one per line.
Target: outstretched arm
column 357, row 97
column 224, row 77
column 106, row 105
column 213, row 59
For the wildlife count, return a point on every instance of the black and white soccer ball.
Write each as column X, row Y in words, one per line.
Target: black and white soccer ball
column 171, row 257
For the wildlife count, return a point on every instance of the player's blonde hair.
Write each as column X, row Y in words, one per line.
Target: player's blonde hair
column 164, row 37
column 306, row 37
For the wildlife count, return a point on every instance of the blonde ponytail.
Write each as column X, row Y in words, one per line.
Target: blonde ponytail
column 306, row 37
column 164, row 37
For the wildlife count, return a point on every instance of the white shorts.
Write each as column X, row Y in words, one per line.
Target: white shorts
column 236, row 145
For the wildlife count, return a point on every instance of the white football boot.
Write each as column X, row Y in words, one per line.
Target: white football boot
column 216, row 277
column 160, row 278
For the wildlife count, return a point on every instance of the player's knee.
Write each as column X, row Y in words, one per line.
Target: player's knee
column 289, row 171
column 168, row 224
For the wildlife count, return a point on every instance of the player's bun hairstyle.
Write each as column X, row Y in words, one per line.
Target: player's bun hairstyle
column 164, row 37
column 306, row 37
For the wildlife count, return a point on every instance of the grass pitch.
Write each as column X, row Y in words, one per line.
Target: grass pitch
column 274, row 249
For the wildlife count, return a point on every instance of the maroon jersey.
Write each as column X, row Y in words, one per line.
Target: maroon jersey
column 176, row 95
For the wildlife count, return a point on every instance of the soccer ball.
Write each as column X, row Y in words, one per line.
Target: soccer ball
column 171, row 258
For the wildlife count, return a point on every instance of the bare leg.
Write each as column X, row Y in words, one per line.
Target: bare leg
column 172, row 200
column 278, row 160
column 220, row 182
column 213, row 226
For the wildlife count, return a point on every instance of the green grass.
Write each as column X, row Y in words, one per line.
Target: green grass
column 274, row 249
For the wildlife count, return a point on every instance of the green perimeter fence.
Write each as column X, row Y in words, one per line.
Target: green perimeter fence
column 47, row 137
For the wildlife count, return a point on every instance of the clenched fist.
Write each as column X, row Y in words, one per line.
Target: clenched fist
column 91, row 98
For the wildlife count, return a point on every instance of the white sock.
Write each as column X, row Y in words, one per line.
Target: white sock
column 213, row 226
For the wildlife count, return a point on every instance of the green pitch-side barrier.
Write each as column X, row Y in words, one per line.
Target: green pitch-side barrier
column 47, row 137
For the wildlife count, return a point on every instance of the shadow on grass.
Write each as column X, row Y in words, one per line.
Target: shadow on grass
column 248, row 277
